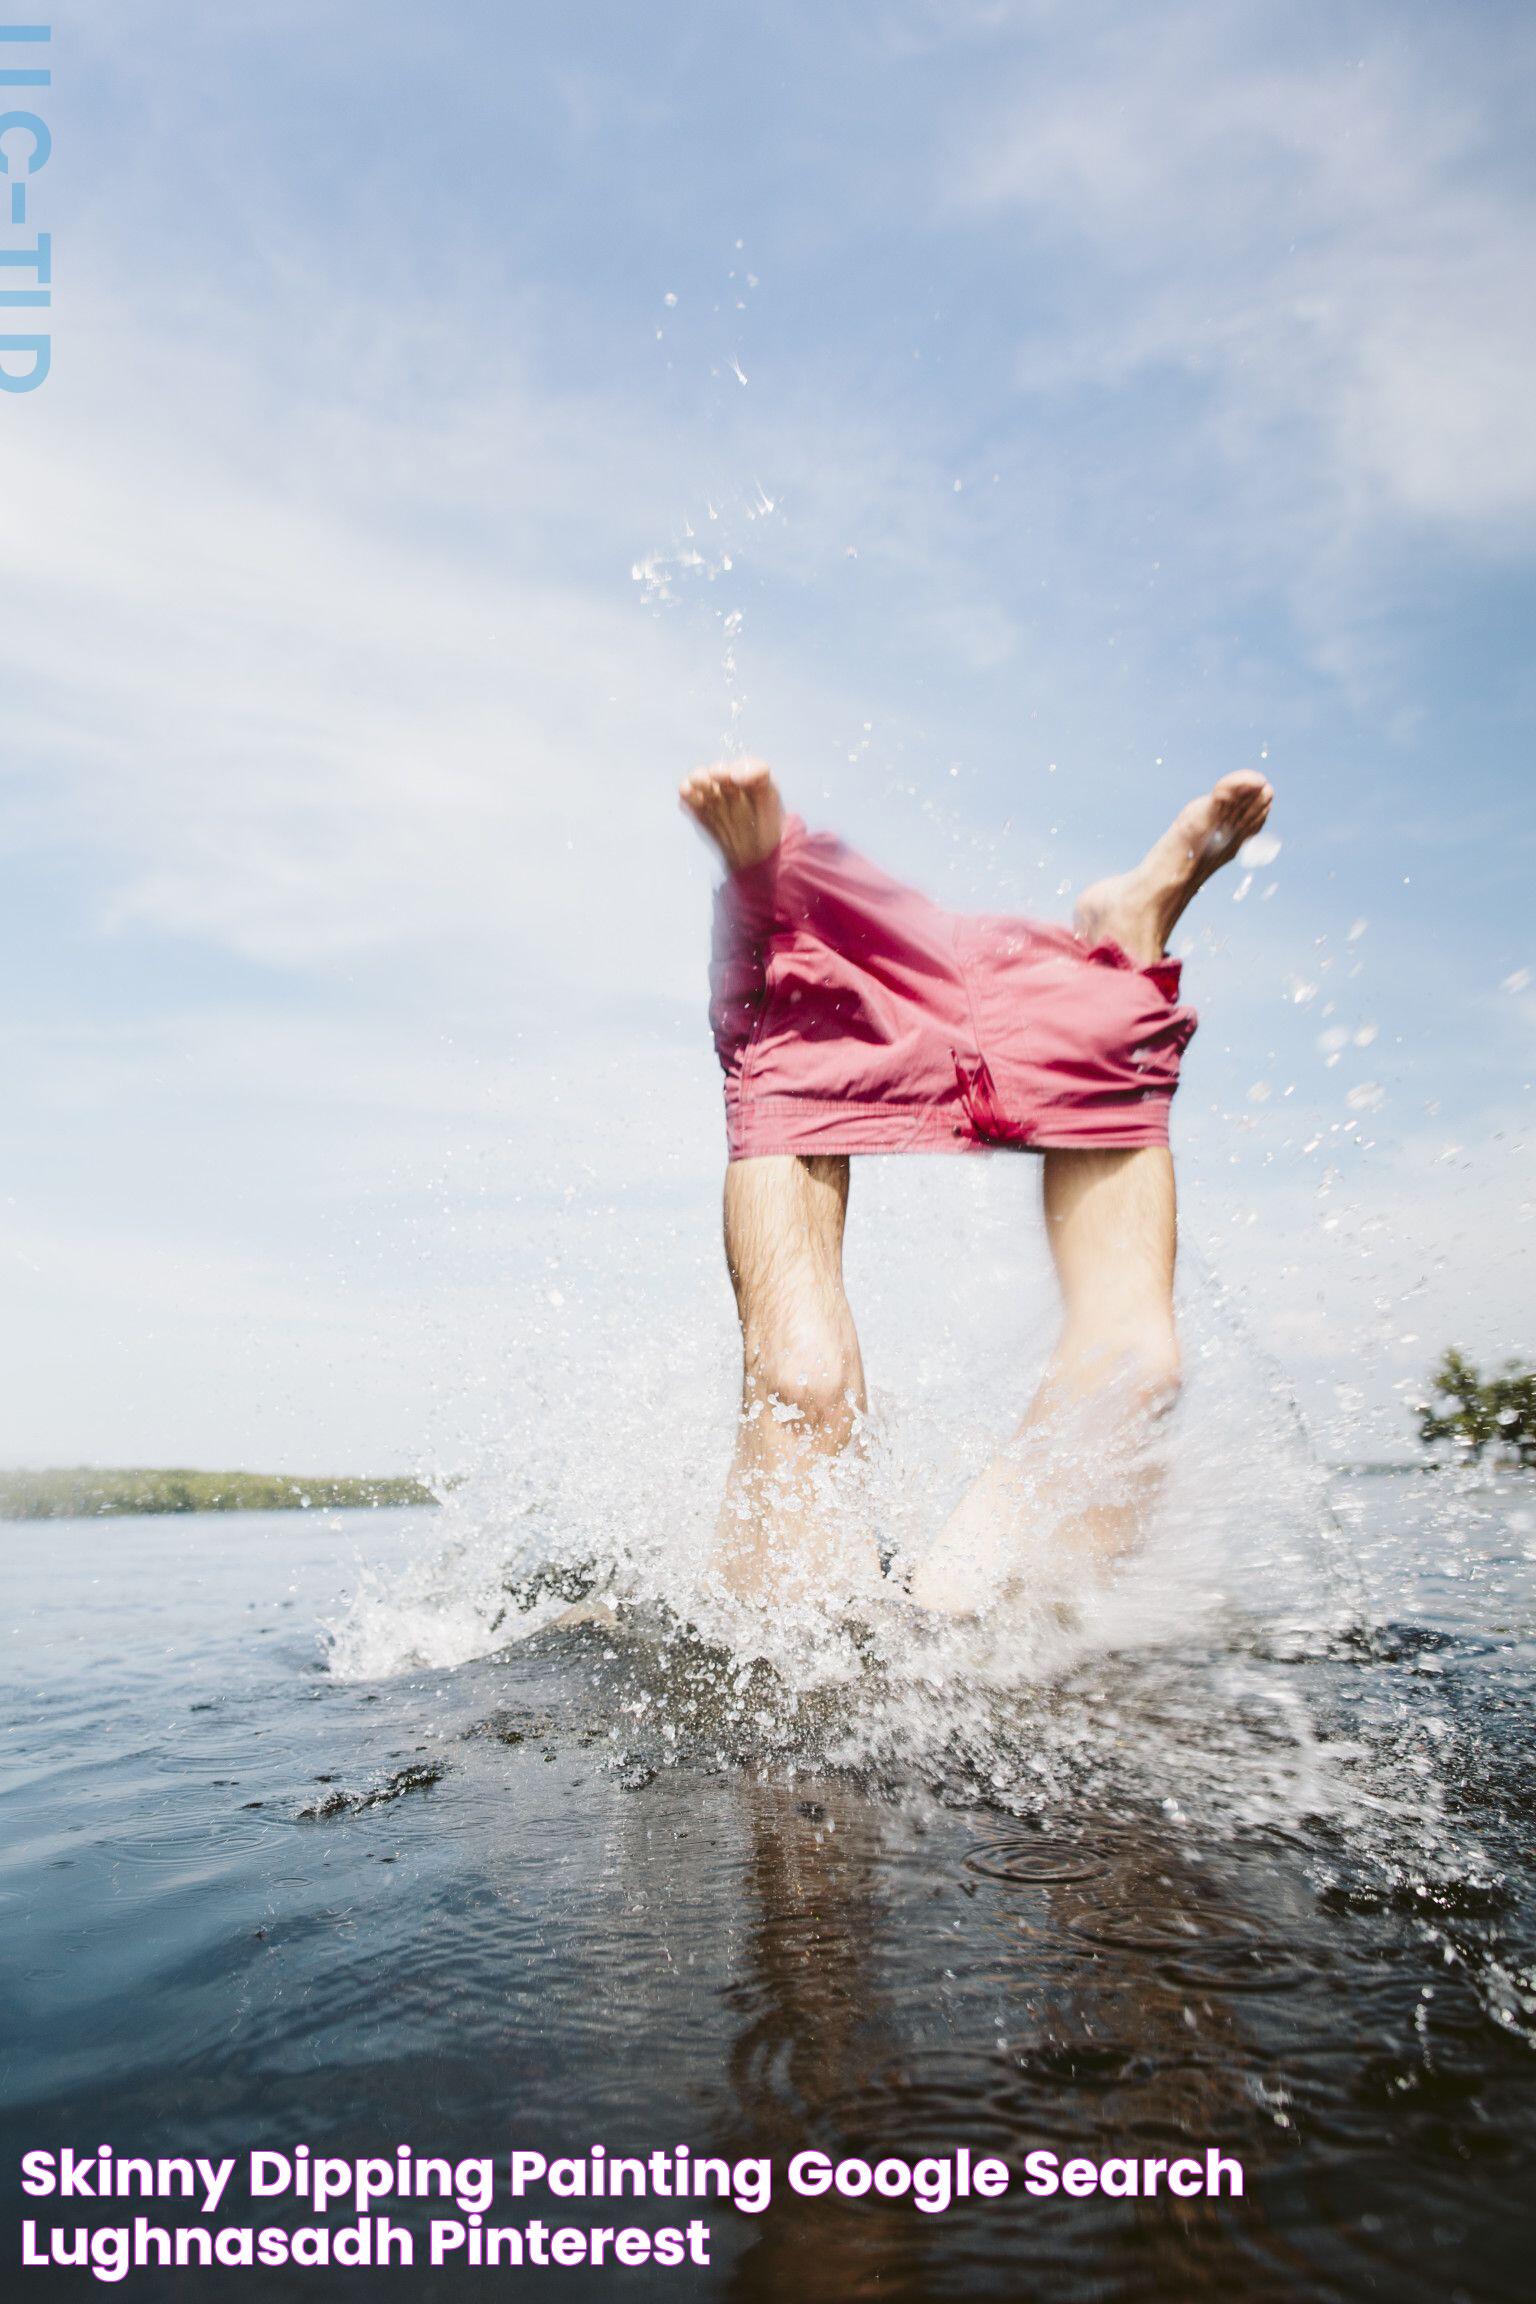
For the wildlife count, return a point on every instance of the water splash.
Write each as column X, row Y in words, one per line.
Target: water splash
column 608, row 1475
column 1266, row 1664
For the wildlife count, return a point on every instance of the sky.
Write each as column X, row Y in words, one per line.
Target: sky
column 1004, row 418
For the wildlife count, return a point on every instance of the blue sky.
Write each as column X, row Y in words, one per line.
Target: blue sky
column 1005, row 418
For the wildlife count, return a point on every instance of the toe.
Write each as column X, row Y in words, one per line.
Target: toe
column 1242, row 784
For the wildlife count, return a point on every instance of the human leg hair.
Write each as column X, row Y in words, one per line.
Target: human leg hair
column 781, row 1534
column 1080, row 1469
column 1112, row 1222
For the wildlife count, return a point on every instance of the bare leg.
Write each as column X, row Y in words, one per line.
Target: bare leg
column 785, row 1535
column 1139, row 909
column 1080, row 1476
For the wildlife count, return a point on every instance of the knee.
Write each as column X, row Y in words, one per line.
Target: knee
column 810, row 1379
column 1137, row 1370
column 1156, row 1375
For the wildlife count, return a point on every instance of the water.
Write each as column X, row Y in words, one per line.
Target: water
column 1257, row 1877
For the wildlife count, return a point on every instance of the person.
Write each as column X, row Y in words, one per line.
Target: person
column 852, row 1015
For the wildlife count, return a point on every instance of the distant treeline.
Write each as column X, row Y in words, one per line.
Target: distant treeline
column 86, row 1492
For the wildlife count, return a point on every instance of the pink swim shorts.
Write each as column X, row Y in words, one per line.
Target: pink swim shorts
column 851, row 1014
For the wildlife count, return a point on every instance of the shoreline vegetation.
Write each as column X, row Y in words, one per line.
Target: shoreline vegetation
column 1467, row 1418
column 86, row 1492
column 1481, row 1415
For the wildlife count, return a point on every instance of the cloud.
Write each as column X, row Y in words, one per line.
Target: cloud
column 305, row 733
column 327, row 678
column 1327, row 247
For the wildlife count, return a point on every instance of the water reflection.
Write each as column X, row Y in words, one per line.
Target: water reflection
column 911, row 1984
column 638, row 1904
column 1042, row 2041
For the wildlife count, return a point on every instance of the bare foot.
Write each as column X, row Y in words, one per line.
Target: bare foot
column 737, row 803
column 1138, row 909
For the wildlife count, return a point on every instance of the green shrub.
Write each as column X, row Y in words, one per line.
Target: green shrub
column 1482, row 1415
column 85, row 1493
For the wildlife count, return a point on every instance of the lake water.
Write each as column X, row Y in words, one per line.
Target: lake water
column 1263, row 1883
